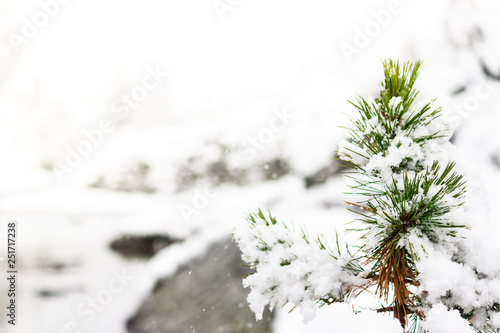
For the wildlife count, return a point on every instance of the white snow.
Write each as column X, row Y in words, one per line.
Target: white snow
column 440, row 320
column 291, row 269
column 340, row 318
column 225, row 80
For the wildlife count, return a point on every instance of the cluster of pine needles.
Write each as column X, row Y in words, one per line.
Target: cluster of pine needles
column 393, row 209
column 414, row 201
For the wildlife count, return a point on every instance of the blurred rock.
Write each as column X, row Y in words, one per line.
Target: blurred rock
column 335, row 168
column 57, row 293
column 495, row 160
column 321, row 176
column 214, row 171
column 206, row 296
column 141, row 246
column 133, row 178
column 60, row 265
column 275, row 168
column 489, row 72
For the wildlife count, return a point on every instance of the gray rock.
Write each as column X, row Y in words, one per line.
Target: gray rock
column 143, row 246
column 134, row 177
column 206, row 296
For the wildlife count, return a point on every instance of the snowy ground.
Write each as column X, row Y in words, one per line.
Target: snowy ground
column 273, row 71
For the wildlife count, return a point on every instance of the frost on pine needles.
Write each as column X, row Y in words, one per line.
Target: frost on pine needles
column 412, row 222
column 291, row 269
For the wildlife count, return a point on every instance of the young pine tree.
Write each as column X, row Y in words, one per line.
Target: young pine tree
column 410, row 219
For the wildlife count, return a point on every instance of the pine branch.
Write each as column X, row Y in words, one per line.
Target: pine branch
column 290, row 268
column 400, row 166
column 407, row 193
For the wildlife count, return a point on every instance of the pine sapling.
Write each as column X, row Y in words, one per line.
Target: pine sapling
column 409, row 203
column 408, row 186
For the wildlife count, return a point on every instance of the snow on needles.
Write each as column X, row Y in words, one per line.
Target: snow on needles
column 289, row 269
column 423, row 252
column 405, row 150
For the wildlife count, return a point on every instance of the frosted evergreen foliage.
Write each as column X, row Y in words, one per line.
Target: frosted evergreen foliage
column 412, row 218
column 291, row 269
